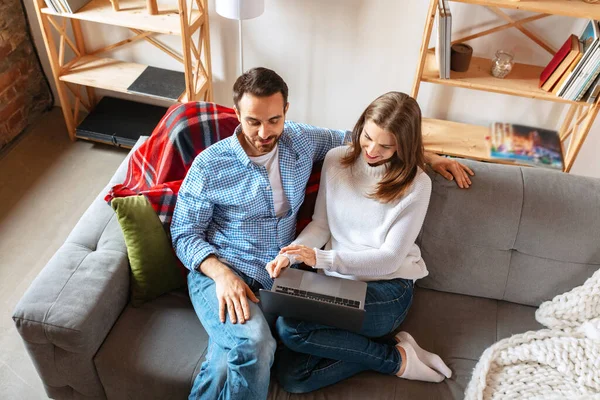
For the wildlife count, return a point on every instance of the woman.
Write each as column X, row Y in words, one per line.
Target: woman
column 372, row 201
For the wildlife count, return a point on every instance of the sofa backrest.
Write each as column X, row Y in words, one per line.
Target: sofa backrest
column 518, row 234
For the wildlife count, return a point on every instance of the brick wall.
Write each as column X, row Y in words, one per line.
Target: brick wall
column 24, row 94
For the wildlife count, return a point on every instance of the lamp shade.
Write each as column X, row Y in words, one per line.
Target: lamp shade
column 240, row 9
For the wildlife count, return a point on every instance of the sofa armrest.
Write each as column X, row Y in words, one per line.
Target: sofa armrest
column 70, row 307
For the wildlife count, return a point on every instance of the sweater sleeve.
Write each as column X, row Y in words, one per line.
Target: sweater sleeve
column 400, row 238
column 317, row 232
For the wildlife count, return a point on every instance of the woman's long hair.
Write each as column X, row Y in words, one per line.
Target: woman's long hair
column 399, row 114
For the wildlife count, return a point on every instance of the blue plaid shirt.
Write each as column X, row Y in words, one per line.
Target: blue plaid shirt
column 225, row 204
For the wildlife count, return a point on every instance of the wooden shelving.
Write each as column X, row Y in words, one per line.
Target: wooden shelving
column 103, row 73
column 456, row 139
column 133, row 14
column 469, row 141
column 567, row 8
column 108, row 74
column 77, row 78
column 522, row 81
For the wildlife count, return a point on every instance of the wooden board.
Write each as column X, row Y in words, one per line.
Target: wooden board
column 104, row 73
column 459, row 140
column 570, row 8
column 456, row 139
column 522, row 81
column 132, row 14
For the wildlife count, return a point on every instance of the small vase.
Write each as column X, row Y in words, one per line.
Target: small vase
column 502, row 64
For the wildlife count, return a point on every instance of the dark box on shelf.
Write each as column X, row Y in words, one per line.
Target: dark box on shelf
column 120, row 122
column 158, row 82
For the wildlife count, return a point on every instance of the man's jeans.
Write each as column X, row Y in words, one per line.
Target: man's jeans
column 317, row 356
column 239, row 356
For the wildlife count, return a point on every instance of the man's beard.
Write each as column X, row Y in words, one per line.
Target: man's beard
column 263, row 149
column 268, row 147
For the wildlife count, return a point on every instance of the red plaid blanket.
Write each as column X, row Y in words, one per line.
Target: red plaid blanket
column 157, row 168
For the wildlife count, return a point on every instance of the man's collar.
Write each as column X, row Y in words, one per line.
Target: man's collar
column 237, row 147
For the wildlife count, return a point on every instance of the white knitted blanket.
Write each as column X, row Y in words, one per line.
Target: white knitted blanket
column 561, row 362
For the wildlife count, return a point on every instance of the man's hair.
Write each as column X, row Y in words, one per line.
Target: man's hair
column 259, row 82
column 399, row 114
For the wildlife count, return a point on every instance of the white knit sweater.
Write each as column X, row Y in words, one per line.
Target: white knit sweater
column 365, row 239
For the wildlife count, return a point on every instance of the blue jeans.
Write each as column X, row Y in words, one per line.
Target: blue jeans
column 317, row 355
column 239, row 357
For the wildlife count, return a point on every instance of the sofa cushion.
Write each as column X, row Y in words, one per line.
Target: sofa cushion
column 468, row 235
column 153, row 263
column 518, row 234
column 457, row 327
column 557, row 246
column 153, row 351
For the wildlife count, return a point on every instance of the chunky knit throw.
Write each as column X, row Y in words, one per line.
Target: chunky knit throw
column 560, row 362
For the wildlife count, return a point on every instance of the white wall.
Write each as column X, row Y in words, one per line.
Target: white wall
column 338, row 55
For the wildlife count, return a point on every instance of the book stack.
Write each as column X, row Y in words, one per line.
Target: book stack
column 444, row 36
column 65, row 6
column 574, row 71
column 525, row 145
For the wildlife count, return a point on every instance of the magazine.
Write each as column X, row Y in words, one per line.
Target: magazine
column 526, row 145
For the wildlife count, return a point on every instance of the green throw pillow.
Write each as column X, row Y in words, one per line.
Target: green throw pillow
column 153, row 264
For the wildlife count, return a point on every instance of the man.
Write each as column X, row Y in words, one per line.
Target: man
column 236, row 209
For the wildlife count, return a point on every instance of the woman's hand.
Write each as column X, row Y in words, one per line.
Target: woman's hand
column 450, row 169
column 301, row 253
column 275, row 267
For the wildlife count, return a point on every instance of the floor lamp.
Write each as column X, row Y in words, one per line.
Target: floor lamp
column 240, row 10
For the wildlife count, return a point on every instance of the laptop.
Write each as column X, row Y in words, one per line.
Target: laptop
column 309, row 296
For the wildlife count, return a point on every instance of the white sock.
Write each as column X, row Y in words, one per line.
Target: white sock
column 430, row 359
column 415, row 369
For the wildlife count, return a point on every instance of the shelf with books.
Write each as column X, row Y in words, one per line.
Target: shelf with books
column 523, row 80
column 133, row 15
column 568, row 8
column 78, row 76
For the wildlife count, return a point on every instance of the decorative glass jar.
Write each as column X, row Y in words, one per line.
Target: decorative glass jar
column 502, row 64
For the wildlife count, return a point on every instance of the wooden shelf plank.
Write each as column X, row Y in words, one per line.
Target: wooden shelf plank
column 522, row 81
column 460, row 140
column 570, row 8
column 456, row 139
column 133, row 14
column 105, row 73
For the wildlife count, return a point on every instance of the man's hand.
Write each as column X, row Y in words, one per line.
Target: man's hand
column 301, row 253
column 233, row 293
column 450, row 169
column 275, row 267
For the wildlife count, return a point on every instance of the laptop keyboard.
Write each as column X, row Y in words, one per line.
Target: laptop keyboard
column 318, row 296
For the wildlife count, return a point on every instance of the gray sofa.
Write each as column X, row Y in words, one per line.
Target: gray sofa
column 518, row 237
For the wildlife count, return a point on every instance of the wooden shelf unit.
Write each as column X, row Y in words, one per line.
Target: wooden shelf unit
column 470, row 141
column 77, row 77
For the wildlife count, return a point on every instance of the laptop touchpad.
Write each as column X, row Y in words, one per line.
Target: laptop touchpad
column 313, row 282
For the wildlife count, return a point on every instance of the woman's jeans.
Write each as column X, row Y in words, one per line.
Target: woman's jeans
column 239, row 356
column 317, row 355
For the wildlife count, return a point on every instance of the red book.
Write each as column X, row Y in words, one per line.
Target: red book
column 557, row 59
